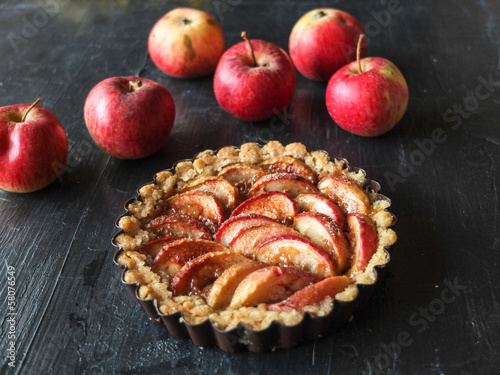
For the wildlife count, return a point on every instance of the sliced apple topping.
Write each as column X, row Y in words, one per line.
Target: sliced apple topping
column 312, row 294
column 297, row 252
column 345, row 192
column 287, row 183
column 321, row 204
column 198, row 205
column 222, row 290
column 231, row 227
column 363, row 236
column 248, row 240
column 327, row 234
column 289, row 164
column 241, row 175
column 174, row 255
column 268, row 285
column 155, row 246
column 179, row 226
column 277, row 206
column 202, row 271
column 225, row 192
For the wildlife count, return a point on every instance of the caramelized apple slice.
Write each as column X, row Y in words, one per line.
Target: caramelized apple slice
column 200, row 272
column 321, row 204
column 324, row 232
column 363, row 235
column 269, row 284
column 312, row 294
column 277, row 206
column 248, row 240
column 222, row 290
column 345, row 192
column 174, row 255
column 198, row 205
column 290, row 184
column 241, row 175
column 225, row 192
column 179, row 226
column 155, row 246
column 289, row 164
column 235, row 224
column 297, row 252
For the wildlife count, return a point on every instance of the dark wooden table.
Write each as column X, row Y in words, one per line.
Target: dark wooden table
column 438, row 310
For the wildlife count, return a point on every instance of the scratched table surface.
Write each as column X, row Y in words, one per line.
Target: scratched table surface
column 438, row 308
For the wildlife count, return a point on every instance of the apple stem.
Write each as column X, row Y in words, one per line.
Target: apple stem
column 358, row 51
column 29, row 109
column 320, row 14
column 134, row 85
column 245, row 38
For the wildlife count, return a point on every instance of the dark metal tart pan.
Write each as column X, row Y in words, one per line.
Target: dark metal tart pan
column 276, row 335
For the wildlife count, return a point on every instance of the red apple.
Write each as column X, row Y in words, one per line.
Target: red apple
column 33, row 147
column 186, row 43
column 367, row 97
column 324, row 40
column 254, row 80
column 129, row 117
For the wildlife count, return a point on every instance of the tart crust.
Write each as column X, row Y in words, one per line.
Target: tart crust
column 194, row 309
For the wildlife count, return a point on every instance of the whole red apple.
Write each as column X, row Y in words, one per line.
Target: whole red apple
column 186, row 43
column 129, row 117
column 254, row 80
column 33, row 147
column 324, row 40
column 367, row 97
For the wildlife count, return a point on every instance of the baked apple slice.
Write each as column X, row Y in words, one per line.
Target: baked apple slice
column 277, row 206
column 155, row 246
column 363, row 236
column 268, row 285
column 290, row 164
column 222, row 290
column 225, row 192
column 174, row 255
column 202, row 271
column 327, row 234
column 321, row 204
column 179, row 226
column 248, row 240
column 296, row 252
column 345, row 192
column 231, row 227
column 288, row 183
column 197, row 205
column 241, row 175
column 312, row 294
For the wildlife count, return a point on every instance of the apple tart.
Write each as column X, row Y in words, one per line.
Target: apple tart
column 254, row 247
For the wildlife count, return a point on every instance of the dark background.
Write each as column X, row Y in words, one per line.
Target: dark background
column 74, row 316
